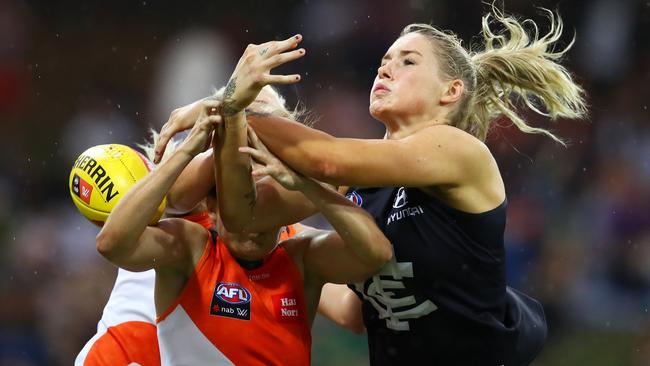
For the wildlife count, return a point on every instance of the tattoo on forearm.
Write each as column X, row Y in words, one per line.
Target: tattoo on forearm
column 251, row 198
column 228, row 108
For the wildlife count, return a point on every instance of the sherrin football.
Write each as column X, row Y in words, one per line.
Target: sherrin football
column 102, row 175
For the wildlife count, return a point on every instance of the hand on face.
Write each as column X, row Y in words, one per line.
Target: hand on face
column 271, row 165
column 253, row 72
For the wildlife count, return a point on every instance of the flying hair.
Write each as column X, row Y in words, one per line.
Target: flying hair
column 515, row 65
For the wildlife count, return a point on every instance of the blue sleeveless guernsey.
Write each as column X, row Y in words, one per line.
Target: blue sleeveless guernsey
column 442, row 300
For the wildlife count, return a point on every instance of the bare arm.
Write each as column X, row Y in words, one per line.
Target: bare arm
column 356, row 250
column 437, row 155
column 193, row 184
column 238, row 195
column 125, row 238
column 342, row 306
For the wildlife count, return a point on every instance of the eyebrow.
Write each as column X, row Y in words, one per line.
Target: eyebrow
column 402, row 53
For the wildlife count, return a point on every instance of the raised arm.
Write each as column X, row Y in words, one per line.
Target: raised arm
column 355, row 250
column 436, row 155
column 127, row 240
column 238, row 193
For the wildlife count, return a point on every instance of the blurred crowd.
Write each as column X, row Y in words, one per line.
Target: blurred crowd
column 73, row 75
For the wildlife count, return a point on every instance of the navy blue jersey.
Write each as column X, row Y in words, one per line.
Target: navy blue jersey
column 442, row 299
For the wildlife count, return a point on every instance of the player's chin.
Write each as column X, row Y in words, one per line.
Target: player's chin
column 378, row 109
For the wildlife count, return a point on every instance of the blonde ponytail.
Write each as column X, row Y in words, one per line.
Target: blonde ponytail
column 514, row 66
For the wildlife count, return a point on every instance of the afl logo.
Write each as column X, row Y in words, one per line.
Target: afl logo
column 232, row 293
column 355, row 198
column 400, row 198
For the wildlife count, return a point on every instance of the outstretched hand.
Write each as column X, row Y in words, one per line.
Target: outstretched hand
column 271, row 165
column 253, row 72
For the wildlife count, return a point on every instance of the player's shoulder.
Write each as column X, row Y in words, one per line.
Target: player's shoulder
column 451, row 137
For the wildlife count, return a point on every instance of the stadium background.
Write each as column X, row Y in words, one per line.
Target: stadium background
column 76, row 74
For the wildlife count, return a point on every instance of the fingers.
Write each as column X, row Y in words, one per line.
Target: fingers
column 260, row 172
column 161, row 144
column 281, row 79
column 212, row 107
column 210, row 122
column 282, row 58
column 253, row 139
column 281, row 46
column 260, row 156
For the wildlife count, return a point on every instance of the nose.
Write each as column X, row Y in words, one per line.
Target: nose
column 384, row 71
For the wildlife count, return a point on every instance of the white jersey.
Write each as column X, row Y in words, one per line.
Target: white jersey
column 129, row 315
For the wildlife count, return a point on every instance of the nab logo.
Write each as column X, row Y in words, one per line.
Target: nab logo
column 232, row 293
column 355, row 198
column 231, row 300
column 400, row 199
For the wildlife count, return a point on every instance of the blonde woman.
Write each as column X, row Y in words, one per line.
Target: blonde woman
column 433, row 186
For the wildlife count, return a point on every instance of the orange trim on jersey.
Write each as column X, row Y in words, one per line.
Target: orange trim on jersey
column 289, row 231
column 253, row 317
column 124, row 344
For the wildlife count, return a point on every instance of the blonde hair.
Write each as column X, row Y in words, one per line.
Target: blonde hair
column 512, row 66
column 298, row 114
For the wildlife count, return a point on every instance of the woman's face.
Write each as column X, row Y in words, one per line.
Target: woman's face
column 408, row 83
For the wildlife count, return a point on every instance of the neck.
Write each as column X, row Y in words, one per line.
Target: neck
column 400, row 126
column 396, row 130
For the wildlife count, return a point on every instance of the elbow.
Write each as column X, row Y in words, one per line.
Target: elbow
column 106, row 245
column 383, row 254
column 357, row 328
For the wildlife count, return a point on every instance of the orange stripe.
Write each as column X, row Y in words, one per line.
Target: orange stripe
column 125, row 343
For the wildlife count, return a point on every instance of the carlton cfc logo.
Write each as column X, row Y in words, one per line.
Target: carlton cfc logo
column 232, row 293
column 355, row 198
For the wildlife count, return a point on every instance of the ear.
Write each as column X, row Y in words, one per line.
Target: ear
column 455, row 91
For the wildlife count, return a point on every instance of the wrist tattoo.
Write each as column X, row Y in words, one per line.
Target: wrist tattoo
column 228, row 108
